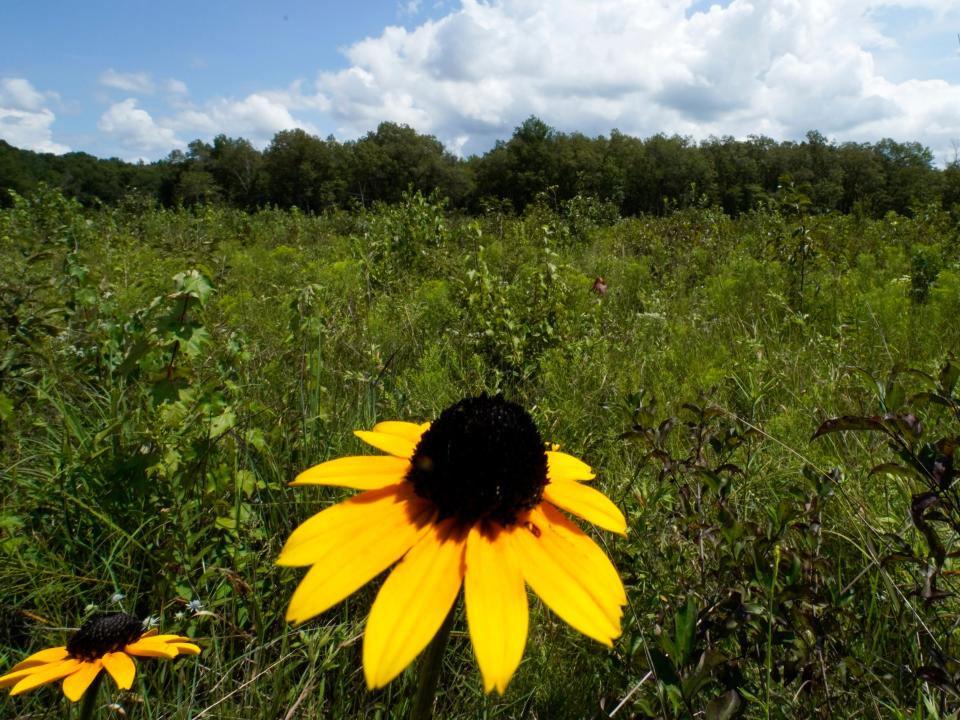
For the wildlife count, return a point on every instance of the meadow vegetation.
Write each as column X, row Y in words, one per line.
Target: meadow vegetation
column 772, row 398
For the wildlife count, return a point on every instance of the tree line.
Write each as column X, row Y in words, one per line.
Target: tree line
column 634, row 175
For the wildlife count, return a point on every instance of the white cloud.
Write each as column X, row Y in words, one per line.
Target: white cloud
column 176, row 87
column 25, row 122
column 778, row 67
column 20, row 94
column 257, row 117
column 139, row 83
column 136, row 131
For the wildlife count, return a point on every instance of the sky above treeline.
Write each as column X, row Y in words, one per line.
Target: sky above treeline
column 138, row 79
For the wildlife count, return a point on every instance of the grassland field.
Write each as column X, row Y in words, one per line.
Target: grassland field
column 165, row 373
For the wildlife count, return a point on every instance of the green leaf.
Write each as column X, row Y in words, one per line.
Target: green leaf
column 195, row 284
column 246, row 482
column 894, row 469
column 139, row 349
column 86, row 296
column 929, row 397
column 724, row 707
column 949, row 374
column 893, row 397
column 10, row 523
column 165, row 390
column 255, row 437
column 6, row 408
column 107, row 432
column 192, row 340
column 703, row 672
column 850, row 422
column 685, row 627
column 664, row 668
column 224, row 422
column 870, row 379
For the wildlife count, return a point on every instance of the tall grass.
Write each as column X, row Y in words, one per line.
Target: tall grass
column 166, row 373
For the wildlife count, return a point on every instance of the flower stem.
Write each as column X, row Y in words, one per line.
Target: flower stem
column 770, row 619
column 430, row 670
column 90, row 697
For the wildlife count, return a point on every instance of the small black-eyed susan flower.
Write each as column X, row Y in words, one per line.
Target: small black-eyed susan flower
column 471, row 499
column 105, row 642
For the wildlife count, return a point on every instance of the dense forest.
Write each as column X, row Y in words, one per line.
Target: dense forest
column 632, row 175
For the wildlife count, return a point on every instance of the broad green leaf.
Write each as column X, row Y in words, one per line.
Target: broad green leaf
column 723, row 707
column 6, row 408
column 223, row 423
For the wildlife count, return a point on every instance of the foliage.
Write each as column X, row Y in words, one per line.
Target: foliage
column 165, row 371
column 632, row 176
column 922, row 433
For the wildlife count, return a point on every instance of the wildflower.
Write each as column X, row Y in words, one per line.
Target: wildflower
column 117, row 598
column 470, row 500
column 195, row 606
column 104, row 642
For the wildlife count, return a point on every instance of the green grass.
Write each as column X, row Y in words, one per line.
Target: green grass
column 150, row 424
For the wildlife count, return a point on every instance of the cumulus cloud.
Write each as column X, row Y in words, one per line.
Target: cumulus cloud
column 20, row 94
column 25, row 121
column 257, row 117
column 139, row 83
column 135, row 130
column 777, row 67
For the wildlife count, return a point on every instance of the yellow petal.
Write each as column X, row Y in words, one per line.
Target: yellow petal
column 186, row 648
column 75, row 685
column 45, row 674
column 592, row 505
column 408, row 430
column 497, row 611
column 168, row 646
column 164, row 638
column 40, row 658
column 413, row 603
column 368, row 512
column 121, row 668
column 361, row 473
column 15, row 676
column 561, row 466
column 350, row 543
column 559, row 566
column 394, row 444
column 594, row 560
column 146, row 648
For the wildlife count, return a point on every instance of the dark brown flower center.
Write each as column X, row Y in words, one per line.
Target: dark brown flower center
column 483, row 458
column 103, row 634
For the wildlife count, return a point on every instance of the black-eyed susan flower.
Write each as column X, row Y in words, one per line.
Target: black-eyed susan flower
column 470, row 500
column 105, row 642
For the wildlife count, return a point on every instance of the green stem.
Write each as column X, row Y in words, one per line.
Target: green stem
column 90, row 697
column 769, row 659
column 430, row 670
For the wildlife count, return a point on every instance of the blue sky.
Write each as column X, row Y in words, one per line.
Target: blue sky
column 139, row 79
